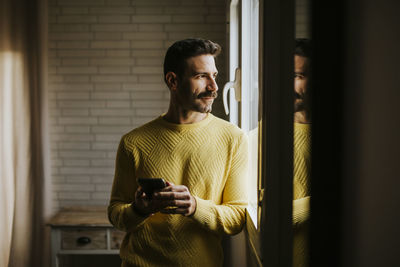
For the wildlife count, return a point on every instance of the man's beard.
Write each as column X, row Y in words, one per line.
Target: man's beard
column 301, row 102
column 299, row 106
column 193, row 102
column 208, row 107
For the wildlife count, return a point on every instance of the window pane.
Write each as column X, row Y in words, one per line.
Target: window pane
column 250, row 95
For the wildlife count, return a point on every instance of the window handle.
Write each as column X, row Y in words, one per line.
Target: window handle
column 260, row 196
column 236, row 84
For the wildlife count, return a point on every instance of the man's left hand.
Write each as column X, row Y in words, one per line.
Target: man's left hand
column 178, row 199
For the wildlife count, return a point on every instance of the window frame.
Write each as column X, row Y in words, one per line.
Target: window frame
column 271, row 243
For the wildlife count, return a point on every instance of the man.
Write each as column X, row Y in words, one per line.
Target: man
column 202, row 157
column 302, row 61
column 302, row 151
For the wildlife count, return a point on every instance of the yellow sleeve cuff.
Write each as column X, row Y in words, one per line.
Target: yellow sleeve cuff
column 301, row 211
column 125, row 218
column 204, row 212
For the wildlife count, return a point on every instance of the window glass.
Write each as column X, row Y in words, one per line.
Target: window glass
column 250, row 95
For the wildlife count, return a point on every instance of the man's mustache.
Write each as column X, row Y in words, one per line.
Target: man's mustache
column 208, row 94
column 298, row 96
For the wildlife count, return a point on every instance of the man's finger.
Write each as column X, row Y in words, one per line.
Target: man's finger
column 172, row 195
column 180, row 188
column 179, row 203
column 175, row 188
column 175, row 211
column 139, row 192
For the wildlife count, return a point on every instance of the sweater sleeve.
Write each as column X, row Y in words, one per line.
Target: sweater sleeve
column 120, row 210
column 301, row 211
column 229, row 216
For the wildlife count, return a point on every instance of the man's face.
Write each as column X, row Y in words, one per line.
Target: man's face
column 301, row 83
column 197, row 87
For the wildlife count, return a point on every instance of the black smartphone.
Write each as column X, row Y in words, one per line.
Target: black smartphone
column 151, row 184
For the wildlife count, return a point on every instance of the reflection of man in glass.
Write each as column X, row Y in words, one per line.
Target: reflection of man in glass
column 302, row 151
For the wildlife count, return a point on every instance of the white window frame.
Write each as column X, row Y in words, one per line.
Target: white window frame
column 243, row 54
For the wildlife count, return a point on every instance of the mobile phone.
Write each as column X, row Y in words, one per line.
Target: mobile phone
column 149, row 185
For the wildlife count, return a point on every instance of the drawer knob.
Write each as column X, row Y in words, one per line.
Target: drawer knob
column 83, row 240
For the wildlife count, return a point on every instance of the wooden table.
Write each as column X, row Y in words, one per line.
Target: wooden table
column 83, row 230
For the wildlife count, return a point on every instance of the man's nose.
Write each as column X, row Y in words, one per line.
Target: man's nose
column 212, row 85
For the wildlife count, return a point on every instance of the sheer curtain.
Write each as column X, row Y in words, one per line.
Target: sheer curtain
column 23, row 169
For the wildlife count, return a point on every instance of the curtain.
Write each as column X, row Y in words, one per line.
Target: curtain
column 24, row 194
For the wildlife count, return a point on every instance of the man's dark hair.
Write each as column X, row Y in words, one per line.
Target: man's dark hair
column 181, row 50
column 303, row 47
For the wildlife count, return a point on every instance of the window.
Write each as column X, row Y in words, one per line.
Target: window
column 265, row 30
column 244, row 69
column 250, row 91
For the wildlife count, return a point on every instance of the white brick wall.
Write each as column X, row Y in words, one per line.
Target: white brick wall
column 303, row 18
column 105, row 75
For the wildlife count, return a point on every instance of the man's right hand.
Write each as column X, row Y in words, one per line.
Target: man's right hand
column 147, row 205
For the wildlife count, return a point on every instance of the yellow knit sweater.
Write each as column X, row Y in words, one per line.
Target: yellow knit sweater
column 301, row 192
column 210, row 158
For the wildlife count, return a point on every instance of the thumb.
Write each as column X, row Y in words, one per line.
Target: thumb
column 139, row 192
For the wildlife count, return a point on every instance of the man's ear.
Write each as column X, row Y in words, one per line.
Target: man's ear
column 172, row 80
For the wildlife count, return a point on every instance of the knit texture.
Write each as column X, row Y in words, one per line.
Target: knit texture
column 210, row 158
column 301, row 192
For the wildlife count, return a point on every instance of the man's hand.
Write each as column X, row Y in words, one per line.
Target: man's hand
column 178, row 200
column 173, row 199
column 146, row 205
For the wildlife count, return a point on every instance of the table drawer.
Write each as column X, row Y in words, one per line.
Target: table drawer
column 84, row 239
column 116, row 238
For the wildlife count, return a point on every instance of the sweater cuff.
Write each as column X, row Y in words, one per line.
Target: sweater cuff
column 203, row 211
column 301, row 211
column 134, row 218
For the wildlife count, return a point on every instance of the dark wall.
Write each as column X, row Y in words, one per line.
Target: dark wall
column 357, row 172
column 372, row 135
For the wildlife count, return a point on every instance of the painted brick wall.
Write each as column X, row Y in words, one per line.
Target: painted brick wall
column 303, row 18
column 105, row 78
